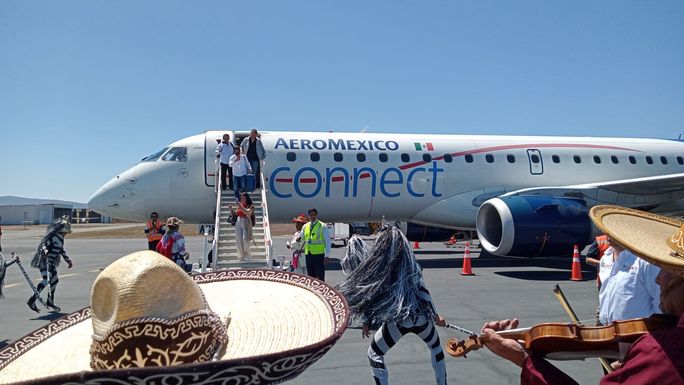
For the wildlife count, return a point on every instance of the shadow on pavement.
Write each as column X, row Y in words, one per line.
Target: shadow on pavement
column 4, row 343
column 51, row 316
column 543, row 275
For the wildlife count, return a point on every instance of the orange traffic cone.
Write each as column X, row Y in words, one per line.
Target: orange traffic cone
column 576, row 267
column 467, row 269
column 416, row 245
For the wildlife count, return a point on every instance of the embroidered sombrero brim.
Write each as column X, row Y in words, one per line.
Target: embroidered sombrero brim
column 281, row 323
column 644, row 234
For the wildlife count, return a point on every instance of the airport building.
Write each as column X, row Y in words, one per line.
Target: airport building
column 43, row 214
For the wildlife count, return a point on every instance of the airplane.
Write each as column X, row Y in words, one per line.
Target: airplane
column 524, row 195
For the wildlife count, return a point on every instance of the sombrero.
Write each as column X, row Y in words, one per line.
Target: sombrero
column 301, row 219
column 655, row 238
column 151, row 323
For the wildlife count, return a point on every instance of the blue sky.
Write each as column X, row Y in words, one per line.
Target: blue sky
column 87, row 88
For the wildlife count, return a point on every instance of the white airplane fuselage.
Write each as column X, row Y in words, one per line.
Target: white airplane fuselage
column 438, row 180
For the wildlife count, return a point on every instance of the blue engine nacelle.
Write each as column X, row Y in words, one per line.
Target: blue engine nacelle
column 533, row 226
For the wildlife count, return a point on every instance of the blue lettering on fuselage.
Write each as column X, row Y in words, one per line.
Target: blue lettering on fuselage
column 337, row 144
column 309, row 182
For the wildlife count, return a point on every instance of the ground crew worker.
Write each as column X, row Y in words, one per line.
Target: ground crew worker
column 154, row 230
column 316, row 245
column 595, row 253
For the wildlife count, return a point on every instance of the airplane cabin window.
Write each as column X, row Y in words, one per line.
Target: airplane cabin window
column 315, row 157
column 597, row 159
column 614, row 159
column 176, row 154
column 663, row 160
column 535, row 158
column 427, row 158
column 383, row 157
column 555, row 158
column 680, row 160
column 405, row 157
column 632, row 159
column 468, row 158
column 649, row 159
column 291, row 156
column 448, row 158
column 337, row 156
column 510, row 158
column 361, row 157
column 155, row 156
column 489, row 158
column 577, row 159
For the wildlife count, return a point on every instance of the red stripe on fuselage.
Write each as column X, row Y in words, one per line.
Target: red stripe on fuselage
column 471, row 152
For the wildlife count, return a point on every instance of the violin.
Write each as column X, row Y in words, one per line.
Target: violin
column 567, row 341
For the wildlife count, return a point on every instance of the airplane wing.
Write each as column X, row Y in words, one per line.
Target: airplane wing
column 645, row 193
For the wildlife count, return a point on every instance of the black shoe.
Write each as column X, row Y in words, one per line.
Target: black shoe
column 32, row 306
column 53, row 306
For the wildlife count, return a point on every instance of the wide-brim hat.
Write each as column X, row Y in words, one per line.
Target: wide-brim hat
column 655, row 238
column 280, row 324
column 301, row 218
column 173, row 221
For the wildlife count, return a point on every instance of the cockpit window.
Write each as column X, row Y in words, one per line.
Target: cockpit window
column 176, row 154
column 155, row 156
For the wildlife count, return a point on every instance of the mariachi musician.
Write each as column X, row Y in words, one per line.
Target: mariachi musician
column 657, row 357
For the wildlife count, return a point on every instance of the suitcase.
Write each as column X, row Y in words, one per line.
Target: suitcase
column 251, row 183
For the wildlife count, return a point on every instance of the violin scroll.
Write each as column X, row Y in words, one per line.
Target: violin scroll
column 458, row 348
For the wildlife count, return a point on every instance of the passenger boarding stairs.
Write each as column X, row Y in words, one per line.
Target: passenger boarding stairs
column 225, row 247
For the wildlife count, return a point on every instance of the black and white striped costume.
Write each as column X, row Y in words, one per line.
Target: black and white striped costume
column 386, row 289
column 48, row 255
column 390, row 333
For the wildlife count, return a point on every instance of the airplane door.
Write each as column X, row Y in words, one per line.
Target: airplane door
column 536, row 163
column 211, row 139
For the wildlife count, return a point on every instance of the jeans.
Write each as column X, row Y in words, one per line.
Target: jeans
column 256, row 170
column 239, row 185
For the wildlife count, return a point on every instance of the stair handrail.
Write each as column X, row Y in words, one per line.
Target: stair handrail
column 268, row 242
column 217, row 218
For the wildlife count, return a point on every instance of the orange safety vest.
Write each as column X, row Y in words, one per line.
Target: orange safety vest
column 602, row 243
column 154, row 233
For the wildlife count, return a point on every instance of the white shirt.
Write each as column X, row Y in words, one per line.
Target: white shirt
column 240, row 167
column 224, row 151
column 630, row 291
column 606, row 264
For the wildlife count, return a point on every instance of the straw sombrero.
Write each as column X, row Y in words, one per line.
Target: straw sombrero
column 151, row 323
column 655, row 238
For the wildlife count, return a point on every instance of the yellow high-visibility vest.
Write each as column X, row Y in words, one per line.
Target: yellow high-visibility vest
column 313, row 238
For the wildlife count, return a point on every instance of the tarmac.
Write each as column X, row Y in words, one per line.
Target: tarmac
column 501, row 288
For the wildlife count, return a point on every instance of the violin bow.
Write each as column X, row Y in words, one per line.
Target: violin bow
column 573, row 317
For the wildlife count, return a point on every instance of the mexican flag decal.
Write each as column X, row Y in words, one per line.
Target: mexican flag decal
column 424, row 146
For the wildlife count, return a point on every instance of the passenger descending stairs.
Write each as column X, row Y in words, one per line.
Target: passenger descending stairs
column 227, row 249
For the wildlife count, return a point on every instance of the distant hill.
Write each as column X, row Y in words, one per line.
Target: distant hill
column 9, row 200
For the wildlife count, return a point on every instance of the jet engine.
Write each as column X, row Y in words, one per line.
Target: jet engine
column 533, row 226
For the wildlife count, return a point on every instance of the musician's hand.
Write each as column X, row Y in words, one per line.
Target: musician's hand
column 617, row 365
column 70, row 264
column 440, row 321
column 503, row 347
column 365, row 331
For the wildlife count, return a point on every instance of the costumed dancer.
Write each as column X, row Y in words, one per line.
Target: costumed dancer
column 48, row 255
column 357, row 250
column 3, row 269
column 296, row 244
column 172, row 244
column 387, row 290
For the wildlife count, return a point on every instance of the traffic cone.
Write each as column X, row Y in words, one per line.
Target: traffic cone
column 467, row 269
column 416, row 245
column 576, row 267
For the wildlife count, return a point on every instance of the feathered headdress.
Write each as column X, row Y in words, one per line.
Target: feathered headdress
column 357, row 251
column 385, row 286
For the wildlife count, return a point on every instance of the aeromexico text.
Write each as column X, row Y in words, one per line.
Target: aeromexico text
column 392, row 182
column 336, row 144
